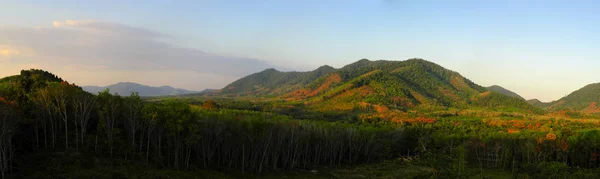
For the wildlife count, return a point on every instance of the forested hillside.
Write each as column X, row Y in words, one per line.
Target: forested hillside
column 403, row 85
column 586, row 98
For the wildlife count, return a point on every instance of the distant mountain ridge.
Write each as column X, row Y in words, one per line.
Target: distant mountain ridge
column 504, row 91
column 125, row 88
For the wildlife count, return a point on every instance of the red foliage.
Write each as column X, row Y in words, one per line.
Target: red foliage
column 513, row 131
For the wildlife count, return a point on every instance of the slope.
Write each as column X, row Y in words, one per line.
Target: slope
column 585, row 98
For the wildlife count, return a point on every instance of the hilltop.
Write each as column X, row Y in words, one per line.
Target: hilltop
column 538, row 103
column 504, row 91
column 125, row 88
column 26, row 81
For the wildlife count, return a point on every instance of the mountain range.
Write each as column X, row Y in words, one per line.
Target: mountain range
column 402, row 85
column 125, row 88
column 395, row 84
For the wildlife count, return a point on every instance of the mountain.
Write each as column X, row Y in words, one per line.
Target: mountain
column 586, row 98
column 391, row 84
column 538, row 103
column 125, row 88
column 271, row 81
column 535, row 102
column 504, row 91
column 27, row 80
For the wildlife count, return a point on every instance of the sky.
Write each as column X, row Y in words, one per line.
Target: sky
column 538, row 49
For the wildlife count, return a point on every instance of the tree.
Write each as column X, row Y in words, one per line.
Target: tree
column 210, row 105
column 109, row 106
column 61, row 96
column 133, row 106
column 83, row 103
column 8, row 122
column 150, row 117
column 44, row 100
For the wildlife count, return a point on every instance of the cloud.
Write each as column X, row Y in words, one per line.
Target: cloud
column 8, row 51
column 79, row 47
column 72, row 23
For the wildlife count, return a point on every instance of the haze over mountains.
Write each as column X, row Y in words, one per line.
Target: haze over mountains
column 125, row 88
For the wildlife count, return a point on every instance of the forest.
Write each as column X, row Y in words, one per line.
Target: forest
column 51, row 128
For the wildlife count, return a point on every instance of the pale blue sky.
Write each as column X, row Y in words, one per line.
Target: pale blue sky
column 539, row 49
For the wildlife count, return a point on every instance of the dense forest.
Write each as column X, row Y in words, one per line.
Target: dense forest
column 51, row 128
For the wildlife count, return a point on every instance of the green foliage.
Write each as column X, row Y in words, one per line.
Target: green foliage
column 401, row 85
column 579, row 99
column 503, row 103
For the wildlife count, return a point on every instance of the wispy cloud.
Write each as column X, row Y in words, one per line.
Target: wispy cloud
column 80, row 47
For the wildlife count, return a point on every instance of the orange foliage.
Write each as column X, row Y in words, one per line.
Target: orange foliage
column 357, row 92
column 418, row 97
column 370, row 73
column 518, row 124
column 540, row 140
column 534, row 126
column 421, row 120
column 210, row 105
column 550, row 136
column 381, row 109
column 333, row 78
column 450, row 94
column 513, row 131
column 403, row 102
column 459, row 83
column 592, row 108
column 485, row 94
